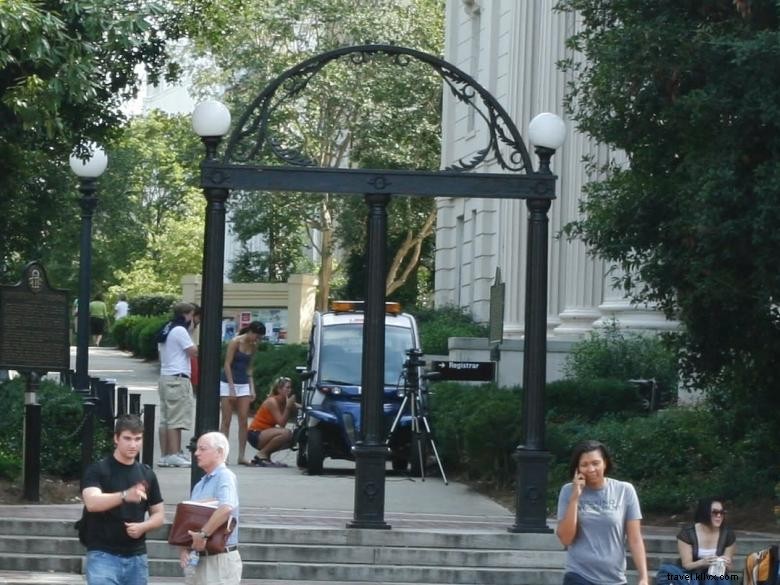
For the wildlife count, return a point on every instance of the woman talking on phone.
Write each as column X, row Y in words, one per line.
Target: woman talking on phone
column 596, row 516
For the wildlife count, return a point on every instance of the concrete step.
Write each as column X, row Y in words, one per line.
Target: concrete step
column 33, row 578
column 312, row 554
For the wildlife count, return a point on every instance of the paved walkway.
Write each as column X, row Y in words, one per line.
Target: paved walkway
column 288, row 496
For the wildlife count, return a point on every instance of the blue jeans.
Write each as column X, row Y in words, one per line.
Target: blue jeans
column 575, row 579
column 106, row 569
column 666, row 576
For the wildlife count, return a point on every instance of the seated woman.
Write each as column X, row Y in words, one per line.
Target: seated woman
column 267, row 431
column 705, row 546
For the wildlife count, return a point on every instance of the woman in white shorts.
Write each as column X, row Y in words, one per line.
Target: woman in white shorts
column 236, row 387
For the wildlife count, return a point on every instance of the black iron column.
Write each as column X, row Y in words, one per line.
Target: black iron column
column 209, row 352
column 370, row 450
column 532, row 459
column 88, row 203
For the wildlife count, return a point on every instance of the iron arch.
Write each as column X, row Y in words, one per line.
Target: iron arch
column 254, row 135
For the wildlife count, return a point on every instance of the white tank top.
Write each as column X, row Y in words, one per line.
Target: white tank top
column 707, row 552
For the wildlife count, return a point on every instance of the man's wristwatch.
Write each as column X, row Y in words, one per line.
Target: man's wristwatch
column 124, row 495
column 204, row 535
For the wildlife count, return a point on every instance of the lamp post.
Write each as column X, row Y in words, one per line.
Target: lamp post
column 547, row 133
column 210, row 121
column 87, row 168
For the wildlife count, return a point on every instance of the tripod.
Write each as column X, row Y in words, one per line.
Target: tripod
column 421, row 428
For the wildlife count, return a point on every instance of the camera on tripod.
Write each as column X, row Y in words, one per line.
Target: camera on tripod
column 415, row 407
column 413, row 359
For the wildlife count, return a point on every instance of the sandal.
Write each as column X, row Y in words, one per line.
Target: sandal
column 260, row 462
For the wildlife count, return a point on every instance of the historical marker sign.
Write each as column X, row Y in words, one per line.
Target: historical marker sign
column 465, row 371
column 496, row 324
column 34, row 324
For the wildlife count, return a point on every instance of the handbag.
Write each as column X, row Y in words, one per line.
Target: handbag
column 192, row 516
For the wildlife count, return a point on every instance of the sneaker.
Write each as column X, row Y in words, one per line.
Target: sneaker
column 163, row 461
column 175, row 460
column 185, row 455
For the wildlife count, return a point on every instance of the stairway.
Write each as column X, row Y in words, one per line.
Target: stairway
column 297, row 554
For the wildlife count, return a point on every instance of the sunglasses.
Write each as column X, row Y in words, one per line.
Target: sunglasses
column 718, row 512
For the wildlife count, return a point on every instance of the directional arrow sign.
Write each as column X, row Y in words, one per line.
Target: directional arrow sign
column 466, row 371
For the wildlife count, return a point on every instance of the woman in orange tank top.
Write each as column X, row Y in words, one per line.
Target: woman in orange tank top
column 267, row 431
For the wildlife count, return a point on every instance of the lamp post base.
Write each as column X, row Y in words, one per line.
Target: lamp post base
column 370, row 463
column 532, row 467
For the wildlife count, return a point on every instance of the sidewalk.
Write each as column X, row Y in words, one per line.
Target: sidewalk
column 287, row 496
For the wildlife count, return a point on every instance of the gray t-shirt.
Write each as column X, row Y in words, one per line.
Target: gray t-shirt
column 598, row 552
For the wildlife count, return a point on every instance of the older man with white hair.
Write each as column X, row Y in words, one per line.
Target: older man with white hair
column 218, row 483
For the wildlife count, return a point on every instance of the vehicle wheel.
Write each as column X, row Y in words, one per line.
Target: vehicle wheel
column 417, row 448
column 400, row 464
column 300, row 457
column 315, row 452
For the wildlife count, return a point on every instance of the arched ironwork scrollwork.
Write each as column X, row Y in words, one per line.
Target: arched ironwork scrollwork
column 252, row 135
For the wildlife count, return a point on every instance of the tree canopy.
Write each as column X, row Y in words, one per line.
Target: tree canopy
column 690, row 92
column 374, row 115
column 65, row 70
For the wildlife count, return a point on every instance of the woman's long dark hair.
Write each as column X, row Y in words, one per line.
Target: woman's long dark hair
column 703, row 513
column 255, row 327
column 587, row 447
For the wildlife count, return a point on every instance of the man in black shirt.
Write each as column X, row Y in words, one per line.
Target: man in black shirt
column 118, row 492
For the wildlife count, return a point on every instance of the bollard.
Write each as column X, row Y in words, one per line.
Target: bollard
column 105, row 401
column 87, row 434
column 121, row 401
column 135, row 404
column 148, row 454
column 93, row 385
column 32, row 439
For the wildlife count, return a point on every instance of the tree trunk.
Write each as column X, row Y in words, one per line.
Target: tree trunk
column 326, row 255
column 411, row 247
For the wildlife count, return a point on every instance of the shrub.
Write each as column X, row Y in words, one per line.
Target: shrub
column 476, row 429
column 122, row 329
column 272, row 361
column 151, row 305
column 591, row 399
column 61, row 421
column 438, row 325
column 673, row 457
column 612, row 353
column 147, row 336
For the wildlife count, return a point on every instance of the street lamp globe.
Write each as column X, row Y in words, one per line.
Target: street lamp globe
column 91, row 167
column 210, row 119
column 547, row 130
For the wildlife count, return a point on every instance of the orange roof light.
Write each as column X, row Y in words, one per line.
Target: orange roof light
column 352, row 306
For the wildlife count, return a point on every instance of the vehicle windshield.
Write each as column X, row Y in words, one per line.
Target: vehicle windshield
column 341, row 353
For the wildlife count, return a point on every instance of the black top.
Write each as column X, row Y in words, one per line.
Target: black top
column 726, row 538
column 106, row 530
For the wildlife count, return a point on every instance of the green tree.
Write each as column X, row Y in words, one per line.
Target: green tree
column 65, row 70
column 154, row 203
column 690, row 92
column 374, row 115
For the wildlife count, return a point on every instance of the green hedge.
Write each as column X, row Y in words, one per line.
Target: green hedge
column 436, row 326
column 592, row 399
column 272, row 361
column 138, row 334
column 673, row 456
column 61, row 420
column 148, row 305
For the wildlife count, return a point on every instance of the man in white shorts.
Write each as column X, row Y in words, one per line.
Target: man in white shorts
column 175, row 347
